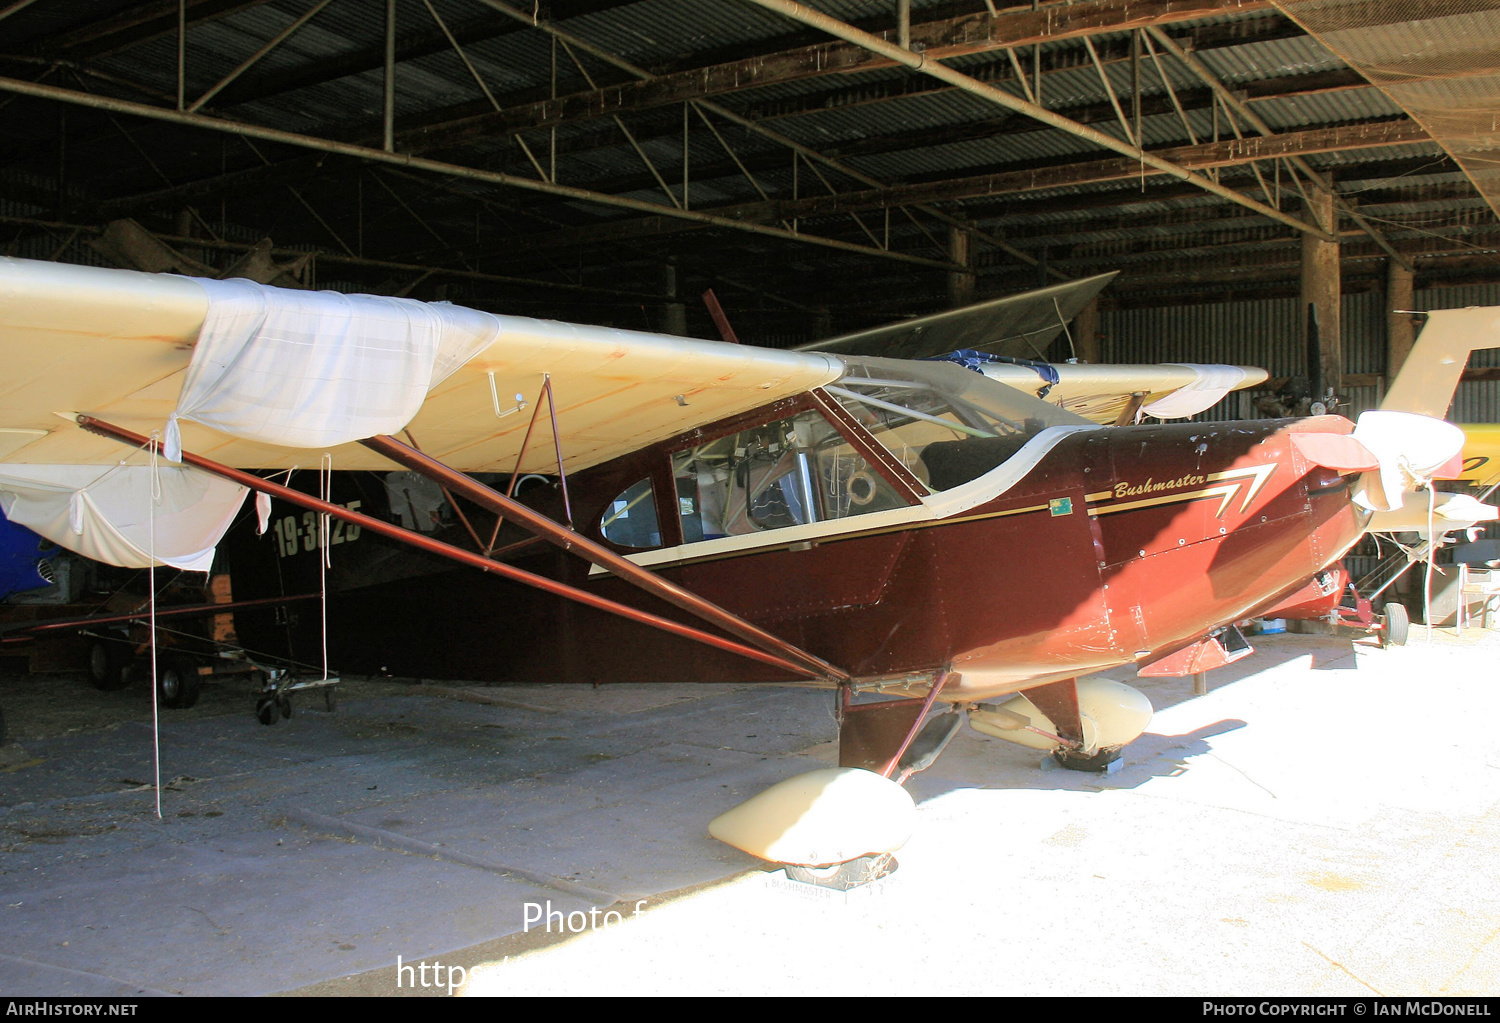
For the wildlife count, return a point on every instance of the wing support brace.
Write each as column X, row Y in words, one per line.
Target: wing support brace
column 597, row 554
column 875, row 736
column 803, row 665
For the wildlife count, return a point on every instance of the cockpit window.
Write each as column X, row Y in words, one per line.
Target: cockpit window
column 787, row 473
column 947, row 425
column 630, row 519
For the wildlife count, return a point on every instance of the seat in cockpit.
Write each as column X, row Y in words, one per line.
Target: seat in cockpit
column 952, row 463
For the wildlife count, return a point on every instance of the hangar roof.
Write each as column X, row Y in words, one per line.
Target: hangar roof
column 556, row 158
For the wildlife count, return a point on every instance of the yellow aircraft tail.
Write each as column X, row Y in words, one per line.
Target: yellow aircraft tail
column 1481, row 453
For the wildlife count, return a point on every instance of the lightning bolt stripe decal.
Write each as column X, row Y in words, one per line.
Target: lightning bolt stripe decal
column 1255, row 475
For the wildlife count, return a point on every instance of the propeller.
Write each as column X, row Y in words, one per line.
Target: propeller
column 1396, row 454
column 1410, row 450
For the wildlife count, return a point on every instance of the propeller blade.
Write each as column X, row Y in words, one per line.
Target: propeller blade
column 1335, row 451
column 1410, row 449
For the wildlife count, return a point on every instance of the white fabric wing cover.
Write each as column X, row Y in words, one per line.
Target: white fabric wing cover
column 309, row 369
column 105, row 513
column 1210, row 384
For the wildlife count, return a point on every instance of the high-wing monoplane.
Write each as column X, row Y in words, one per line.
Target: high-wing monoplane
column 916, row 535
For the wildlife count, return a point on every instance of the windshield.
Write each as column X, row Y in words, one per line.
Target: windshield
column 947, row 424
column 787, row 473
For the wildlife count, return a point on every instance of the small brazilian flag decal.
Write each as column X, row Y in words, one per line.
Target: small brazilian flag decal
column 1060, row 506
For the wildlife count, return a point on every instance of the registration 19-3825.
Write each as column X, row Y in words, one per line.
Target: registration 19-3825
column 293, row 536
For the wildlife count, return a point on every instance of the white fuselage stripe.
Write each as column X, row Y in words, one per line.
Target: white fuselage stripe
column 936, row 506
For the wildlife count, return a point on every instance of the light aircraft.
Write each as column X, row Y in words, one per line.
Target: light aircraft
column 926, row 531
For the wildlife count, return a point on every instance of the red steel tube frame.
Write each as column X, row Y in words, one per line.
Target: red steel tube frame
column 597, row 554
column 457, row 554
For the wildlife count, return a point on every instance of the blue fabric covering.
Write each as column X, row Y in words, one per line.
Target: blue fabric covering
column 20, row 549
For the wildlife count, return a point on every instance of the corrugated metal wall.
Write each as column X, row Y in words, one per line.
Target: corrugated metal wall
column 1266, row 332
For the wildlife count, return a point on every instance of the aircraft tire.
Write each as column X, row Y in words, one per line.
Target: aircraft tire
column 2, row 727
column 330, row 699
column 266, row 711
column 1397, row 625
column 177, row 684
column 108, row 662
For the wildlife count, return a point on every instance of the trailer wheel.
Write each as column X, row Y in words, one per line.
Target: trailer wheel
column 107, row 664
column 1397, row 625
column 177, row 684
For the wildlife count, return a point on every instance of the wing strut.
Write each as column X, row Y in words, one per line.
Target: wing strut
column 597, row 554
column 804, row 664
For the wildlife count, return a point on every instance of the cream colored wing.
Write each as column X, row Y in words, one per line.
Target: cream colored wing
column 1102, row 393
column 116, row 344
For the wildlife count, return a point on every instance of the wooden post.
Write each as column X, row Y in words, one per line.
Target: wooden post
column 388, row 85
column 960, row 283
column 1400, row 331
column 1086, row 332
column 674, row 312
column 1320, row 288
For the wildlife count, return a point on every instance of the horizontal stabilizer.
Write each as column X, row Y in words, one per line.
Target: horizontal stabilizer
column 1441, row 512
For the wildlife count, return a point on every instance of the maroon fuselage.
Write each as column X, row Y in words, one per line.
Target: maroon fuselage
column 1119, row 545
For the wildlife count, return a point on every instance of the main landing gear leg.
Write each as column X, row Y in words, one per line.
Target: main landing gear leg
column 1084, row 723
column 1059, row 701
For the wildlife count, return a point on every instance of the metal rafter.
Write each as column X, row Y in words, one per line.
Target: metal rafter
column 14, row 8
column 750, row 125
column 143, row 23
column 413, row 44
column 921, row 64
column 250, row 61
column 747, row 165
column 1227, row 153
column 48, row 92
column 358, row 262
column 951, row 37
column 1233, row 102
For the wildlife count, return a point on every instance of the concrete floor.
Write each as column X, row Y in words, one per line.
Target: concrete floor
column 1322, row 823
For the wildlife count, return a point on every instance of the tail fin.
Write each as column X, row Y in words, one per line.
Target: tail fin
column 1430, row 375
